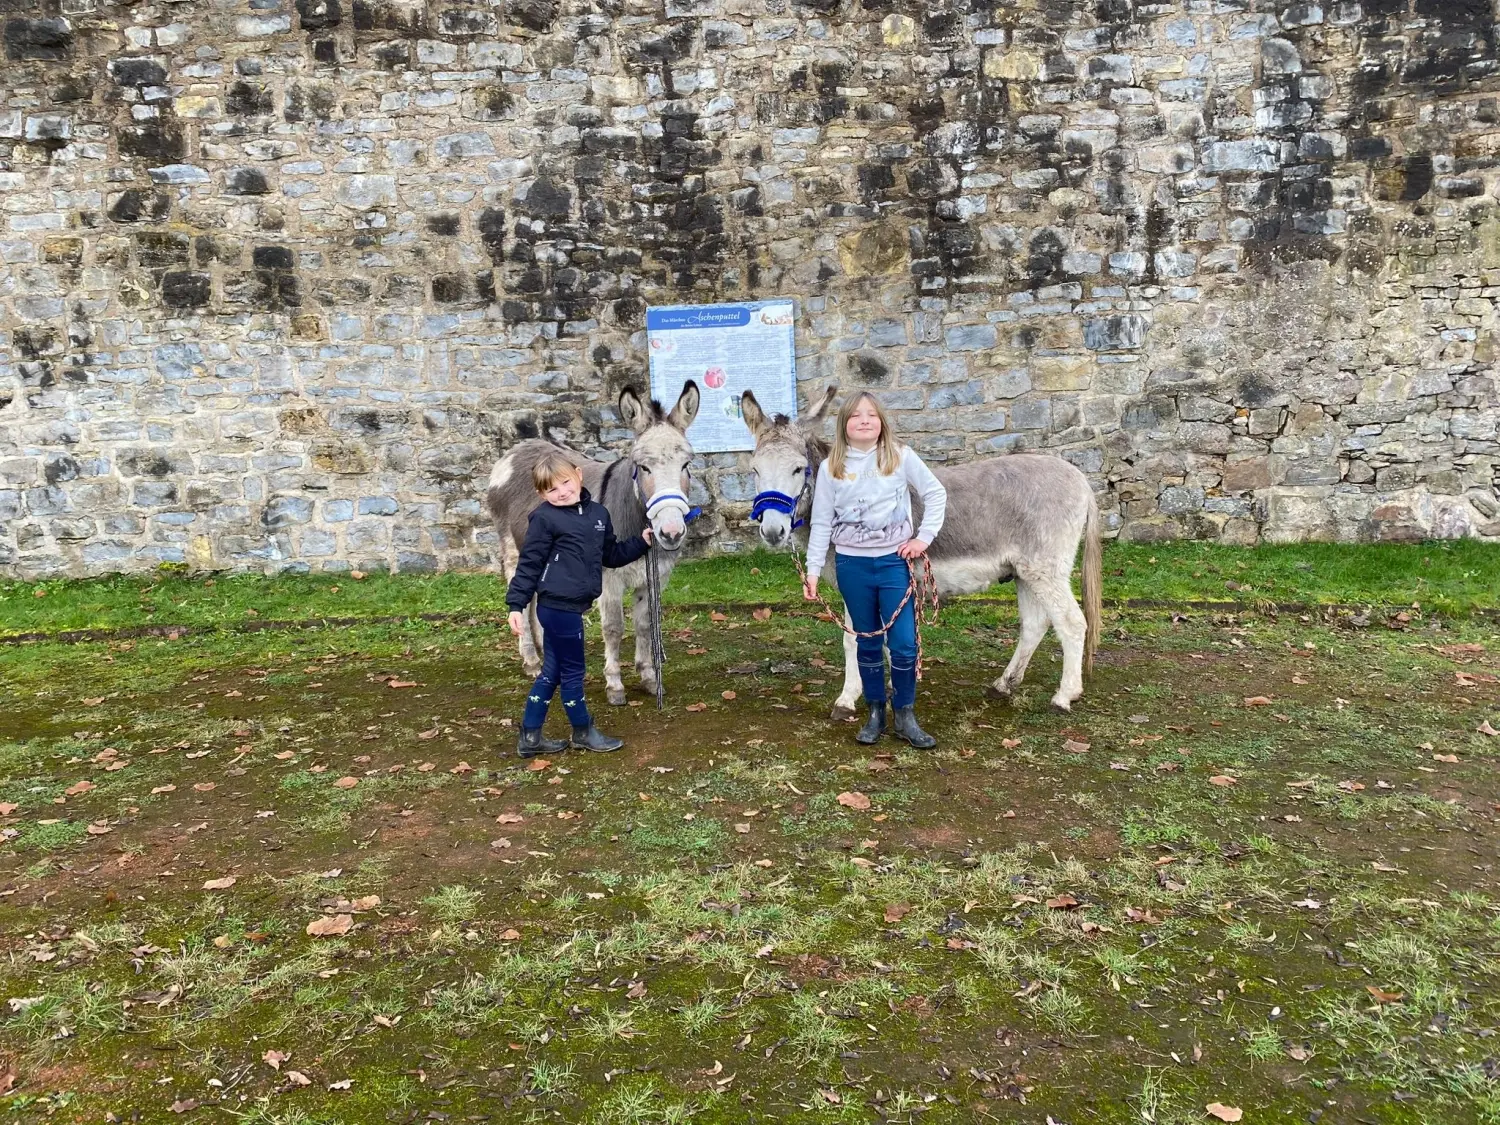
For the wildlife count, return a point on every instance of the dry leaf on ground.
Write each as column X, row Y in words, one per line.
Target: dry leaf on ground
column 854, row 800
column 897, row 911
column 274, row 1059
column 1073, row 746
column 330, row 927
column 1224, row 1112
column 346, row 783
column 78, row 787
column 220, row 884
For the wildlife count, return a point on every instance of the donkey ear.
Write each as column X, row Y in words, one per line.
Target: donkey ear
column 754, row 416
column 686, row 409
column 819, row 411
column 637, row 414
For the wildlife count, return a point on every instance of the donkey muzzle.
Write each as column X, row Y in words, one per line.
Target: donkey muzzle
column 668, row 513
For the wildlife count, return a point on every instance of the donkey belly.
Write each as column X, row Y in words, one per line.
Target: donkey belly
column 969, row 576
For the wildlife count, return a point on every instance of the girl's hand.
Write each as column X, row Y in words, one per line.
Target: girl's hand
column 912, row 549
column 517, row 622
column 810, row 588
column 646, row 535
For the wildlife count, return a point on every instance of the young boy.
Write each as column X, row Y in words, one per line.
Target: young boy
column 569, row 542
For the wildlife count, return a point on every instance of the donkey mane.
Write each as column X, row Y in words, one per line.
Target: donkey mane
column 618, row 493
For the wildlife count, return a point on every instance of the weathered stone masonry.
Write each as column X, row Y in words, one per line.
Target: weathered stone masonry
column 277, row 282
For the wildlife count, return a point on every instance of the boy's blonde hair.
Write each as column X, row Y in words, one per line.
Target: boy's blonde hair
column 553, row 468
column 887, row 448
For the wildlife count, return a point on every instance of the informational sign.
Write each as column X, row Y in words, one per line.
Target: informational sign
column 727, row 350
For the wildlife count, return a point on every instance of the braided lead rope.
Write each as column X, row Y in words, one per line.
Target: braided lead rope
column 924, row 589
column 653, row 610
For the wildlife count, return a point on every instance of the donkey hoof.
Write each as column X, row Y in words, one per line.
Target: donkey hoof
column 1061, row 702
column 615, row 695
column 998, row 691
column 841, row 713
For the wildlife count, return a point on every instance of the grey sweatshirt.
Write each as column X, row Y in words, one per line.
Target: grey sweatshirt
column 870, row 514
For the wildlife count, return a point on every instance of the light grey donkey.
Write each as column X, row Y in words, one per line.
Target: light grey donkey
column 1018, row 516
column 648, row 485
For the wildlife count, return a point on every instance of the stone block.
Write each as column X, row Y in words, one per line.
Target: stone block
column 1061, row 372
column 1115, row 333
column 969, row 337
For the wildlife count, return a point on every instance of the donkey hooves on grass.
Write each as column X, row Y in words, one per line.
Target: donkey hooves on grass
column 995, row 691
column 1061, row 704
column 841, row 714
column 616, row 696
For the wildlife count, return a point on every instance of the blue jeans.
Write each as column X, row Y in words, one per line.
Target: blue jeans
column 562, row 667
column 872, row 589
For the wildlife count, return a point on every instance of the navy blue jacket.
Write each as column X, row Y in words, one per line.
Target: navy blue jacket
column 564, row 555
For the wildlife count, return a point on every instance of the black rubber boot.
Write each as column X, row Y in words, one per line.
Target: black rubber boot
column 874, row 727
column 905, row 727
column 533, row 742
column 592, row 738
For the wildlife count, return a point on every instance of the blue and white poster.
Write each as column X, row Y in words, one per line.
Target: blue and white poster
column 727, row 350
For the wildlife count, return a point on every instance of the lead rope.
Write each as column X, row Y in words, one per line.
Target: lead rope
column 653, row 610
column 923, row 588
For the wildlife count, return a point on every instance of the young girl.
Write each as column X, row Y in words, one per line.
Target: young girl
column 862, row 505
column 569, row 541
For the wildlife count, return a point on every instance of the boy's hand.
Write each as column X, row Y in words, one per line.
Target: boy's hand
column 810, row 588
column 646, row 535
column 912, row 549
column 517, row 622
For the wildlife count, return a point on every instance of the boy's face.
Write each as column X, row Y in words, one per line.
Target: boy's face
column 564, row 492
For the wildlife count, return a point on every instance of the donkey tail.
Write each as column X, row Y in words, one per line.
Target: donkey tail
column 1093, row 578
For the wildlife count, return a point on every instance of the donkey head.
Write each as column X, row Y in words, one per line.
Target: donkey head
column 659, row 460
column 784, row 463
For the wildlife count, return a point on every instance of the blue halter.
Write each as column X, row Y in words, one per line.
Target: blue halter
column 772, row 501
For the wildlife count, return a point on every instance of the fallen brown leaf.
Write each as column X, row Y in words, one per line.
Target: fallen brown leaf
column 1222, row 780
column 1061, row 902
column 1010, row 743
column 220, row 884
column 1224, row 1112
column 330, row 927
column 762, row 614
column 99, row 830
column 346, row 783
column 6, row 808
column 1485, row 729
column 1383, row 997
column 462, row 768
column 205, row 786
column 78, row 787
column 728, row 695
column 511, row 935
column 539, row 764
column 1073, row 746
column 854, row 800
column 297, row 1078
column 696, row 707
column 897, row 911
column 509, row 818
column 274, row 1059
column 1257, row 701
column 428, row 735
column 400, row 683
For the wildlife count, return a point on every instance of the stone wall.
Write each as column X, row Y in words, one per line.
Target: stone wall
column 278, row 280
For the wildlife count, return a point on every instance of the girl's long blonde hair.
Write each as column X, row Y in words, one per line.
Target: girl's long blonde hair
column 887, row 448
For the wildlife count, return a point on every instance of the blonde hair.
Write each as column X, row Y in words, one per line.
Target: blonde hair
column 887, row 448
column 552, row 468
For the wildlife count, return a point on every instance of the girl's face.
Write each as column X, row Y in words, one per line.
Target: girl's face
column 863, row 428
column 564, row 494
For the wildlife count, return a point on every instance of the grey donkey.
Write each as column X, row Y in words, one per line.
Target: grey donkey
column 1018, row 516
column 648, row 485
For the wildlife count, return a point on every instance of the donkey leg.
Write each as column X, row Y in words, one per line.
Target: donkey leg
column 530, row 641
column 844, row 707
column 1070, row 625
column 1033, row 616
column 612, row 622
column 640, row 614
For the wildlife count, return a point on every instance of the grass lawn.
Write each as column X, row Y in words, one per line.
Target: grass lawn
column 1254, row 869
column 1452, row 577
